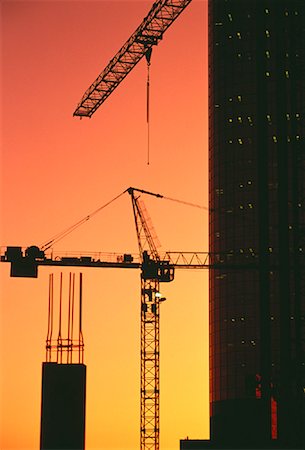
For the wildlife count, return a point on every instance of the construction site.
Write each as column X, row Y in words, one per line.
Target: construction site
column 199, row 343
column 111, row 298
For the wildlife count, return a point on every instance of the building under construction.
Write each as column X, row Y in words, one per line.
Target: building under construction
column 63, row 399
column 257, row 238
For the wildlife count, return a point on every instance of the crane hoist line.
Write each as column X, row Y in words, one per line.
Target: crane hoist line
column 160, row 17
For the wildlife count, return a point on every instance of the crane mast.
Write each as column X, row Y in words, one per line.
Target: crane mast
column 162, row 14
column 153, row 272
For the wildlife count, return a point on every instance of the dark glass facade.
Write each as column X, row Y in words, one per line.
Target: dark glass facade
column 257, row 221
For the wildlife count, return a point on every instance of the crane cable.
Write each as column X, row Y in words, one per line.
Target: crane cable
column 148, row 58
column 186, row 203
column 59, row 236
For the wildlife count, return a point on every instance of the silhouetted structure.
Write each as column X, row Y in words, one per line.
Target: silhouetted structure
column 257, row 223
column 63, row 402
column 63, row 406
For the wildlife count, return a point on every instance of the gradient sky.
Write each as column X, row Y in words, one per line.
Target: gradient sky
column 56, row 168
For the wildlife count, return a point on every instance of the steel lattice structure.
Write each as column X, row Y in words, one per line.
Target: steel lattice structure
column 153, row 272
column 162, row 14
column 150, row 364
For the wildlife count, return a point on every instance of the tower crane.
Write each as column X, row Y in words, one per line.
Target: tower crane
column 155, row 269
column 160, row 17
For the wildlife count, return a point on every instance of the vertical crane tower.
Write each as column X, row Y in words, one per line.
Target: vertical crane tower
column 154, row 271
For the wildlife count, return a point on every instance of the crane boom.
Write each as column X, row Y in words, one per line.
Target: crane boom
column 162, row 14
column 25, row 262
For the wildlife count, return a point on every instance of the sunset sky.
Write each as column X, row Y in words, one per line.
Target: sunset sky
column 56, row 168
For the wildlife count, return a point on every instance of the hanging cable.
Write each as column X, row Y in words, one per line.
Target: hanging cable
column 186, row 203
column 58, row 237
column 148, row 58
column 131, row 189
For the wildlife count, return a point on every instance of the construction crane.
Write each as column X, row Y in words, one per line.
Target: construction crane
column 155, row 268
column 160, row 17
column 154, row 271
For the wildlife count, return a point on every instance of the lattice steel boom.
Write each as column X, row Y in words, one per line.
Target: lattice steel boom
column 162, row 14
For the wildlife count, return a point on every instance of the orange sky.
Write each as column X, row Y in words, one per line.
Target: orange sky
column 55, row 169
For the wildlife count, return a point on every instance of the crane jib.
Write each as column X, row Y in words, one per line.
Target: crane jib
column 160, row 17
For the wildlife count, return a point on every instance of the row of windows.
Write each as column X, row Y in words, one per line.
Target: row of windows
column 218, row 235
column 244, row 319
column 286, row 73
column 247, row 251
column 240, row 119
column 240, row 36
column 267, row 11
column 248, row 119
column 241, row 185
column 250, row 205
column 287, row 54
column 273, row 138
column 249, row 55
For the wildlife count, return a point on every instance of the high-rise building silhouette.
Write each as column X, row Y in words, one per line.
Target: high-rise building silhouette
column 257, row 224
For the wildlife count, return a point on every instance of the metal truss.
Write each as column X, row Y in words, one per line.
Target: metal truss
column 162, row 14
column 150, row 352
